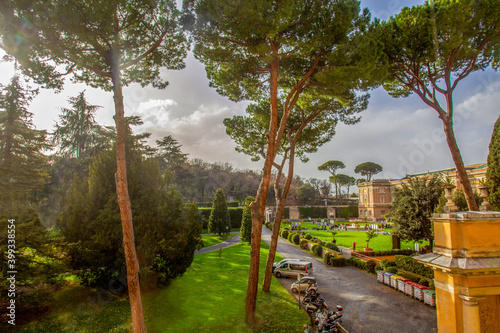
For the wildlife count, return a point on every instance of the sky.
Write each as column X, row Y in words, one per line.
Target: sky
column 403, row 135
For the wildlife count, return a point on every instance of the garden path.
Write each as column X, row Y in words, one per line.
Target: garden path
column 229, row 242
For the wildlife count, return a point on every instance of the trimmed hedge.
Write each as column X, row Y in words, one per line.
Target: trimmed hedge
column 209, row 204
column 348, row 212
column 290, row 237
column 370, row 266
column 312, row 212
column 356, row 262
column 387, row 263
column 393, row 270
column 296, row 239
column 308, row 237
column 303, row 243
column 235, row 215
column 337, row 262
column 411, row 265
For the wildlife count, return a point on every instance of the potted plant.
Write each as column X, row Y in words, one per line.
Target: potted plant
column 369, row 235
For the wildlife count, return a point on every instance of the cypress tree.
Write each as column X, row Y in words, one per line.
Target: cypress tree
column 219, row 217
column 493, row 173
column 246, row 221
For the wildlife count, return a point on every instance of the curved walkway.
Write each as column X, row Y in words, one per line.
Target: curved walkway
column 227, row 243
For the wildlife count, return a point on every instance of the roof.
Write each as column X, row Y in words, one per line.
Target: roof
column 447, row 262
column 469, row 167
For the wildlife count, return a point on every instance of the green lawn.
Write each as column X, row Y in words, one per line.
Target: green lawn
column 209, row 297
column 209, row 240
column 346, row 238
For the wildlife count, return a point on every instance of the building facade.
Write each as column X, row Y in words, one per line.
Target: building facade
column 375, row 197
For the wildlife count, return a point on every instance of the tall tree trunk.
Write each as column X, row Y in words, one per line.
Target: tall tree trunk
column 459, row 164
column 258, row 207
column 281, row 199
column 131, row 260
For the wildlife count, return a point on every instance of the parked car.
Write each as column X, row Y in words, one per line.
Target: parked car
column 293, row 269
column 306, row 283
column 276, row 264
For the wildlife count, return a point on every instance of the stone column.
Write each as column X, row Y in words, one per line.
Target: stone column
column 471, row 318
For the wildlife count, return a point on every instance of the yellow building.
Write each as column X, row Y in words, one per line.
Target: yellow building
column 375, row 197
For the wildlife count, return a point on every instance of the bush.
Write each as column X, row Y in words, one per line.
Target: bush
column 387, row 263
column 321, row 242
column 303, row 243
column 356, row 262
column 411, row 265
column 370, row 266
column 284, row 234
column 290, row 236
column 432, row 286
column 332, row 246
column 391, row 270
column 296, row 239
column 308, row 237
column 423, row 282
column 337, row 262
column 318, row 251
column 378, row 268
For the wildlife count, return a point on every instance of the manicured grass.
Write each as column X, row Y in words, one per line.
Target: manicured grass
column 209, row 240
column 209, row 297
column 346, row 238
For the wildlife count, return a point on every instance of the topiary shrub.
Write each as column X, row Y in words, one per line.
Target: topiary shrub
column 296, row 239
column 303, row 243
column 378, row 268
column 370, row 266
column 318, row 251
column 284, row 234
column 290, row 236
column 321, row 242
column 308, row 237
column 391, row 270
